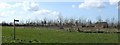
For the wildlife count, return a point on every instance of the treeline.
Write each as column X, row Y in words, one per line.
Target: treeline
column 64, row 23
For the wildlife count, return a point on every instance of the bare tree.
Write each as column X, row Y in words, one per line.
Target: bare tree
column 44, row 22
column 50, row 22
column 99, row 19
column 66, row 21
column 22, row 23
column 28, row 22
column 89, row 23
column 72, row 22
column 80, row 21
column 112, row 22
column 84, row 22
column 4, row 23
column 37, row 22
column 60, row 20
column 107, row 20
column 76, row 23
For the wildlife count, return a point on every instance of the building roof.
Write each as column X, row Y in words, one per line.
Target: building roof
column 101, row 23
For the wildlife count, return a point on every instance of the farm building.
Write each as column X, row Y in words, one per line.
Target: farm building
column 101, row 25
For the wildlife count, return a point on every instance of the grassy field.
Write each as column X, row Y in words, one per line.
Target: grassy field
column 0, row 34
column 47, row 35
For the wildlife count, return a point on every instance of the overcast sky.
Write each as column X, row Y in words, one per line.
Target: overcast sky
column 35, row 9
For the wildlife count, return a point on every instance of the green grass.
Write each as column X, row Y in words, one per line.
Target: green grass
column 47, row 35
column 0, row 34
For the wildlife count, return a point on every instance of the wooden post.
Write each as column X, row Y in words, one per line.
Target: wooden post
column 14, row 31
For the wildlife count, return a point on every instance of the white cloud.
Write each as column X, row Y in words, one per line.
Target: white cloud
column 7, row 13
column 92, row 4
column 97, row 3
column 29, row 6
column 44, row 0
column 17, row 7
column 46, row 12
column 25, row 10
column 1, row 14
column 114, row 2
column 42, row 12
column 25, row 5
column 54, row 13
column 4, row 5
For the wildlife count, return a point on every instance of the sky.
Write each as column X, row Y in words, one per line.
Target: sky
column 35, row 9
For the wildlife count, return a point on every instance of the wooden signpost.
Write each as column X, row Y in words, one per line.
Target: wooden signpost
column 14, row 29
